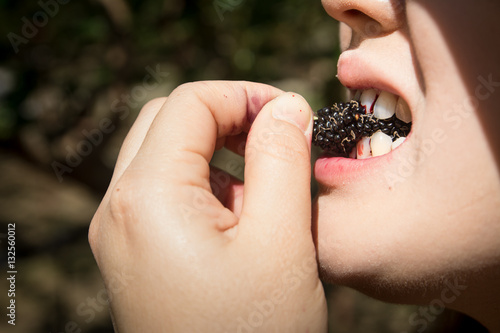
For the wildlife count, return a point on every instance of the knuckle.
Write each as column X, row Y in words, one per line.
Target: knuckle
column 195, row 90
column 186, row 89
column 153, row 105
column 113, row 223
column 93, row 235
column 122, row 199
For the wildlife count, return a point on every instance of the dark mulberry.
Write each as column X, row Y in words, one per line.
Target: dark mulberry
column 338, row 128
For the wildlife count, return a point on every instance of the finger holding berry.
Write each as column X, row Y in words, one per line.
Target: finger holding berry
column 199, row 261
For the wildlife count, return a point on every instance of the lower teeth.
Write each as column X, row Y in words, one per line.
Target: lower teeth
column 339, row 128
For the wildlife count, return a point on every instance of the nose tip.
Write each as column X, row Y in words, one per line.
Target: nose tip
column 370, row 18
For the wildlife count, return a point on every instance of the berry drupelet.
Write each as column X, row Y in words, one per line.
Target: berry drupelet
column 338, row 128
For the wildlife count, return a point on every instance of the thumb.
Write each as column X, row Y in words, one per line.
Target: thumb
column 278, row 169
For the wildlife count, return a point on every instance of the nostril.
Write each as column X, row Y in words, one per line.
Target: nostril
column 353, row 13
column 362, row 23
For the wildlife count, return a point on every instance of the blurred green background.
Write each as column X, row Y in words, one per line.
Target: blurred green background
column 66, row 69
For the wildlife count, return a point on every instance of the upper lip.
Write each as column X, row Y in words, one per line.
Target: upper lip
column 359, row 70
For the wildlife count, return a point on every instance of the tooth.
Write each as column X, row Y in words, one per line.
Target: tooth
column 363, row 148
column 353, row 153
column 403, row 111
column 380, row 143
column 367, row 98
column 385, row 106
column 398, row 142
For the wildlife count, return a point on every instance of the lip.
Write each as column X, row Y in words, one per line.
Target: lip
column 335, row 171
column 357, row 71
column 361, row 72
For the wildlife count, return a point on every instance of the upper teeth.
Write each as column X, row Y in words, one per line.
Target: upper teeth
column 383, row 105
column 367, row 99
column 403, row 111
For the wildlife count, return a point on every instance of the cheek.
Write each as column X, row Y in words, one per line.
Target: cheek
column 413, row 234
column 460, row 171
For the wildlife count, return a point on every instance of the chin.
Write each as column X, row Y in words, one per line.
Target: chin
column 369, row 237
column 390, row 252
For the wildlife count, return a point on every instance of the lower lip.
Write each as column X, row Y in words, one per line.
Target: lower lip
column 335, row 171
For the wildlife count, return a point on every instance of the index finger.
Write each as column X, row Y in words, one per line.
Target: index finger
column 186, row 128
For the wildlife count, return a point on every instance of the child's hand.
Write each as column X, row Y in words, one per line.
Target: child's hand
column 176, row 258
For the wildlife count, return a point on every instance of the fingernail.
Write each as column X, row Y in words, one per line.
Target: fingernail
column 294, row 109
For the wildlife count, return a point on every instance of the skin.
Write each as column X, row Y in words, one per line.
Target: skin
column 440, row 223
column 177, row 258
column 182, row 247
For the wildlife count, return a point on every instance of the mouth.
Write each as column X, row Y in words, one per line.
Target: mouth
column 387, row 91
column 374, row 151
column 373, row 124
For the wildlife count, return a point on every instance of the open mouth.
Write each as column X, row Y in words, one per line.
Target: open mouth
column 374, row 123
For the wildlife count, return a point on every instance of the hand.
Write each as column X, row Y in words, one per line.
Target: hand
column 179, row 253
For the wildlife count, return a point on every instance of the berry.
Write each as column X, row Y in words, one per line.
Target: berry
column 338, row 128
